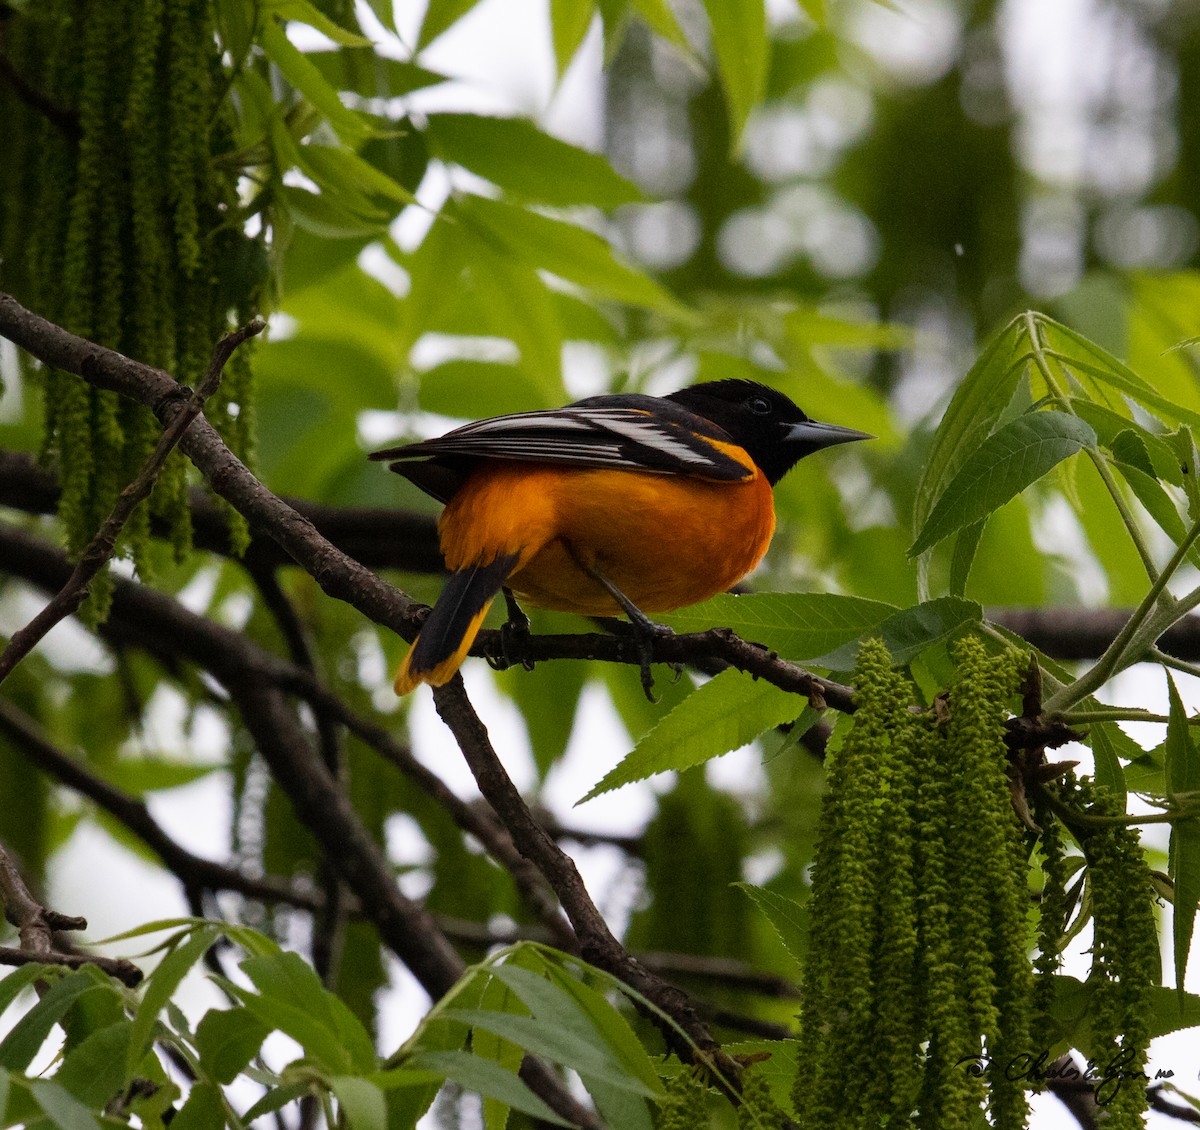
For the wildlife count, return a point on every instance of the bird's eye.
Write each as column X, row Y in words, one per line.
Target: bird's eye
column 759, row 405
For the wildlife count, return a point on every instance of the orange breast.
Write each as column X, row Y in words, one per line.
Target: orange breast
column 665, row 541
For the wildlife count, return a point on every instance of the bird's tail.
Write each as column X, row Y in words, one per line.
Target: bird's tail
column 447, row 635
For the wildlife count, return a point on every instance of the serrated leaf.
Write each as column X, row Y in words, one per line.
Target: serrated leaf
column 911, row 631
column 567, row 1005
column 789, row 917
column 62, row 1108
column 524, row 160
column 440, row 16
column 160, row 988
column 796, row 625
column 306, row 13
column 1003, row 465
column 349, row 125
column 1105, row 740
column 1183, row 777
column 1098, row 363
column 93, row 1071
column 569, row 21
column 21, row 1044
column 742, row 48
column 722, row 715
column 203, row 1109
column 584, row 1055
column 571, row 252
column 660, row 18
column 486, row 1078
column 362, row 1102
column 297, row 1003
column 228, row 1039
column 140, row 775
column 966, row 545
column 975, row 407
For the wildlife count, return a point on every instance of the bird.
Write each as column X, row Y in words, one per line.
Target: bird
column 615, row 503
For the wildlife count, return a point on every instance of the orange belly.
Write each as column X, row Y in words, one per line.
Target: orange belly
column 664, row 541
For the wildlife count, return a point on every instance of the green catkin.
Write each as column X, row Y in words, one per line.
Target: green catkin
column 1126, row 963
column 121, row 246
column 1051, row 909
column 759, row 1110
column 917, row 951
column 838, row 980
column 686, row 1104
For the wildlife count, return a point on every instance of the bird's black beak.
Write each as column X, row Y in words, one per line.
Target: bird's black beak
column 815, row 435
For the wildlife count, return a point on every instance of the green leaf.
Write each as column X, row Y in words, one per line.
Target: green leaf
column 475, row 389
column 660, row 18
column 1105, row 738
column 1101, row 365
column 796, row 625
column 1002, row 466
column 371, row 75
column 62, row 1108
column 779, row 1070
column 486, row 1078
column 227, row 1040
column 497, row 997
column 353, row 128
column 306, row 13
column 584, row 1055
column 789, row 917
column 203, row 1109
column 966, row 545
column 514, row 154
column 276, row 1098
column 1183, row 784
column 912, row 631
column 141, row 775
column 440, row 16
column 1150, row 493
column 160, row 988
column 15, row 981
column 722, row 715
column 29, row 1033
column 740, row 43
column 975, row 407
column 569, row 20
column 551, row 1004
column 571, row 252
column 609, row 1023
column 94, row 1071
column 362, row 1102
column 294, row 1000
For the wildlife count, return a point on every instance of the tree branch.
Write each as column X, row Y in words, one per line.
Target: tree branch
column 597, row 943
column 36, row 926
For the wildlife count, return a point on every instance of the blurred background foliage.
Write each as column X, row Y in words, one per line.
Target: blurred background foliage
column 842, row 198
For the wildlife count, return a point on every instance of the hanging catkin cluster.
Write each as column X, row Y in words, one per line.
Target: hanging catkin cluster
column 1126, row 962
column 123, row 228
column 917, row 963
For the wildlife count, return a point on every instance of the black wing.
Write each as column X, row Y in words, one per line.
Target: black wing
column 592, row 433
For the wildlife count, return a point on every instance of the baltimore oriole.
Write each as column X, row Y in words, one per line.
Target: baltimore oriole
column 622, row 503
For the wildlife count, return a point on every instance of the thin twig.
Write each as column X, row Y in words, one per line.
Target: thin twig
column 36, row 926
column 104, row 544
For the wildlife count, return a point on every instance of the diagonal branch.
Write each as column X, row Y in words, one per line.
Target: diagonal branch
column 598, row 945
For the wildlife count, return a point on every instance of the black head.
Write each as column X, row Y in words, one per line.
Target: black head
column 775, row 433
